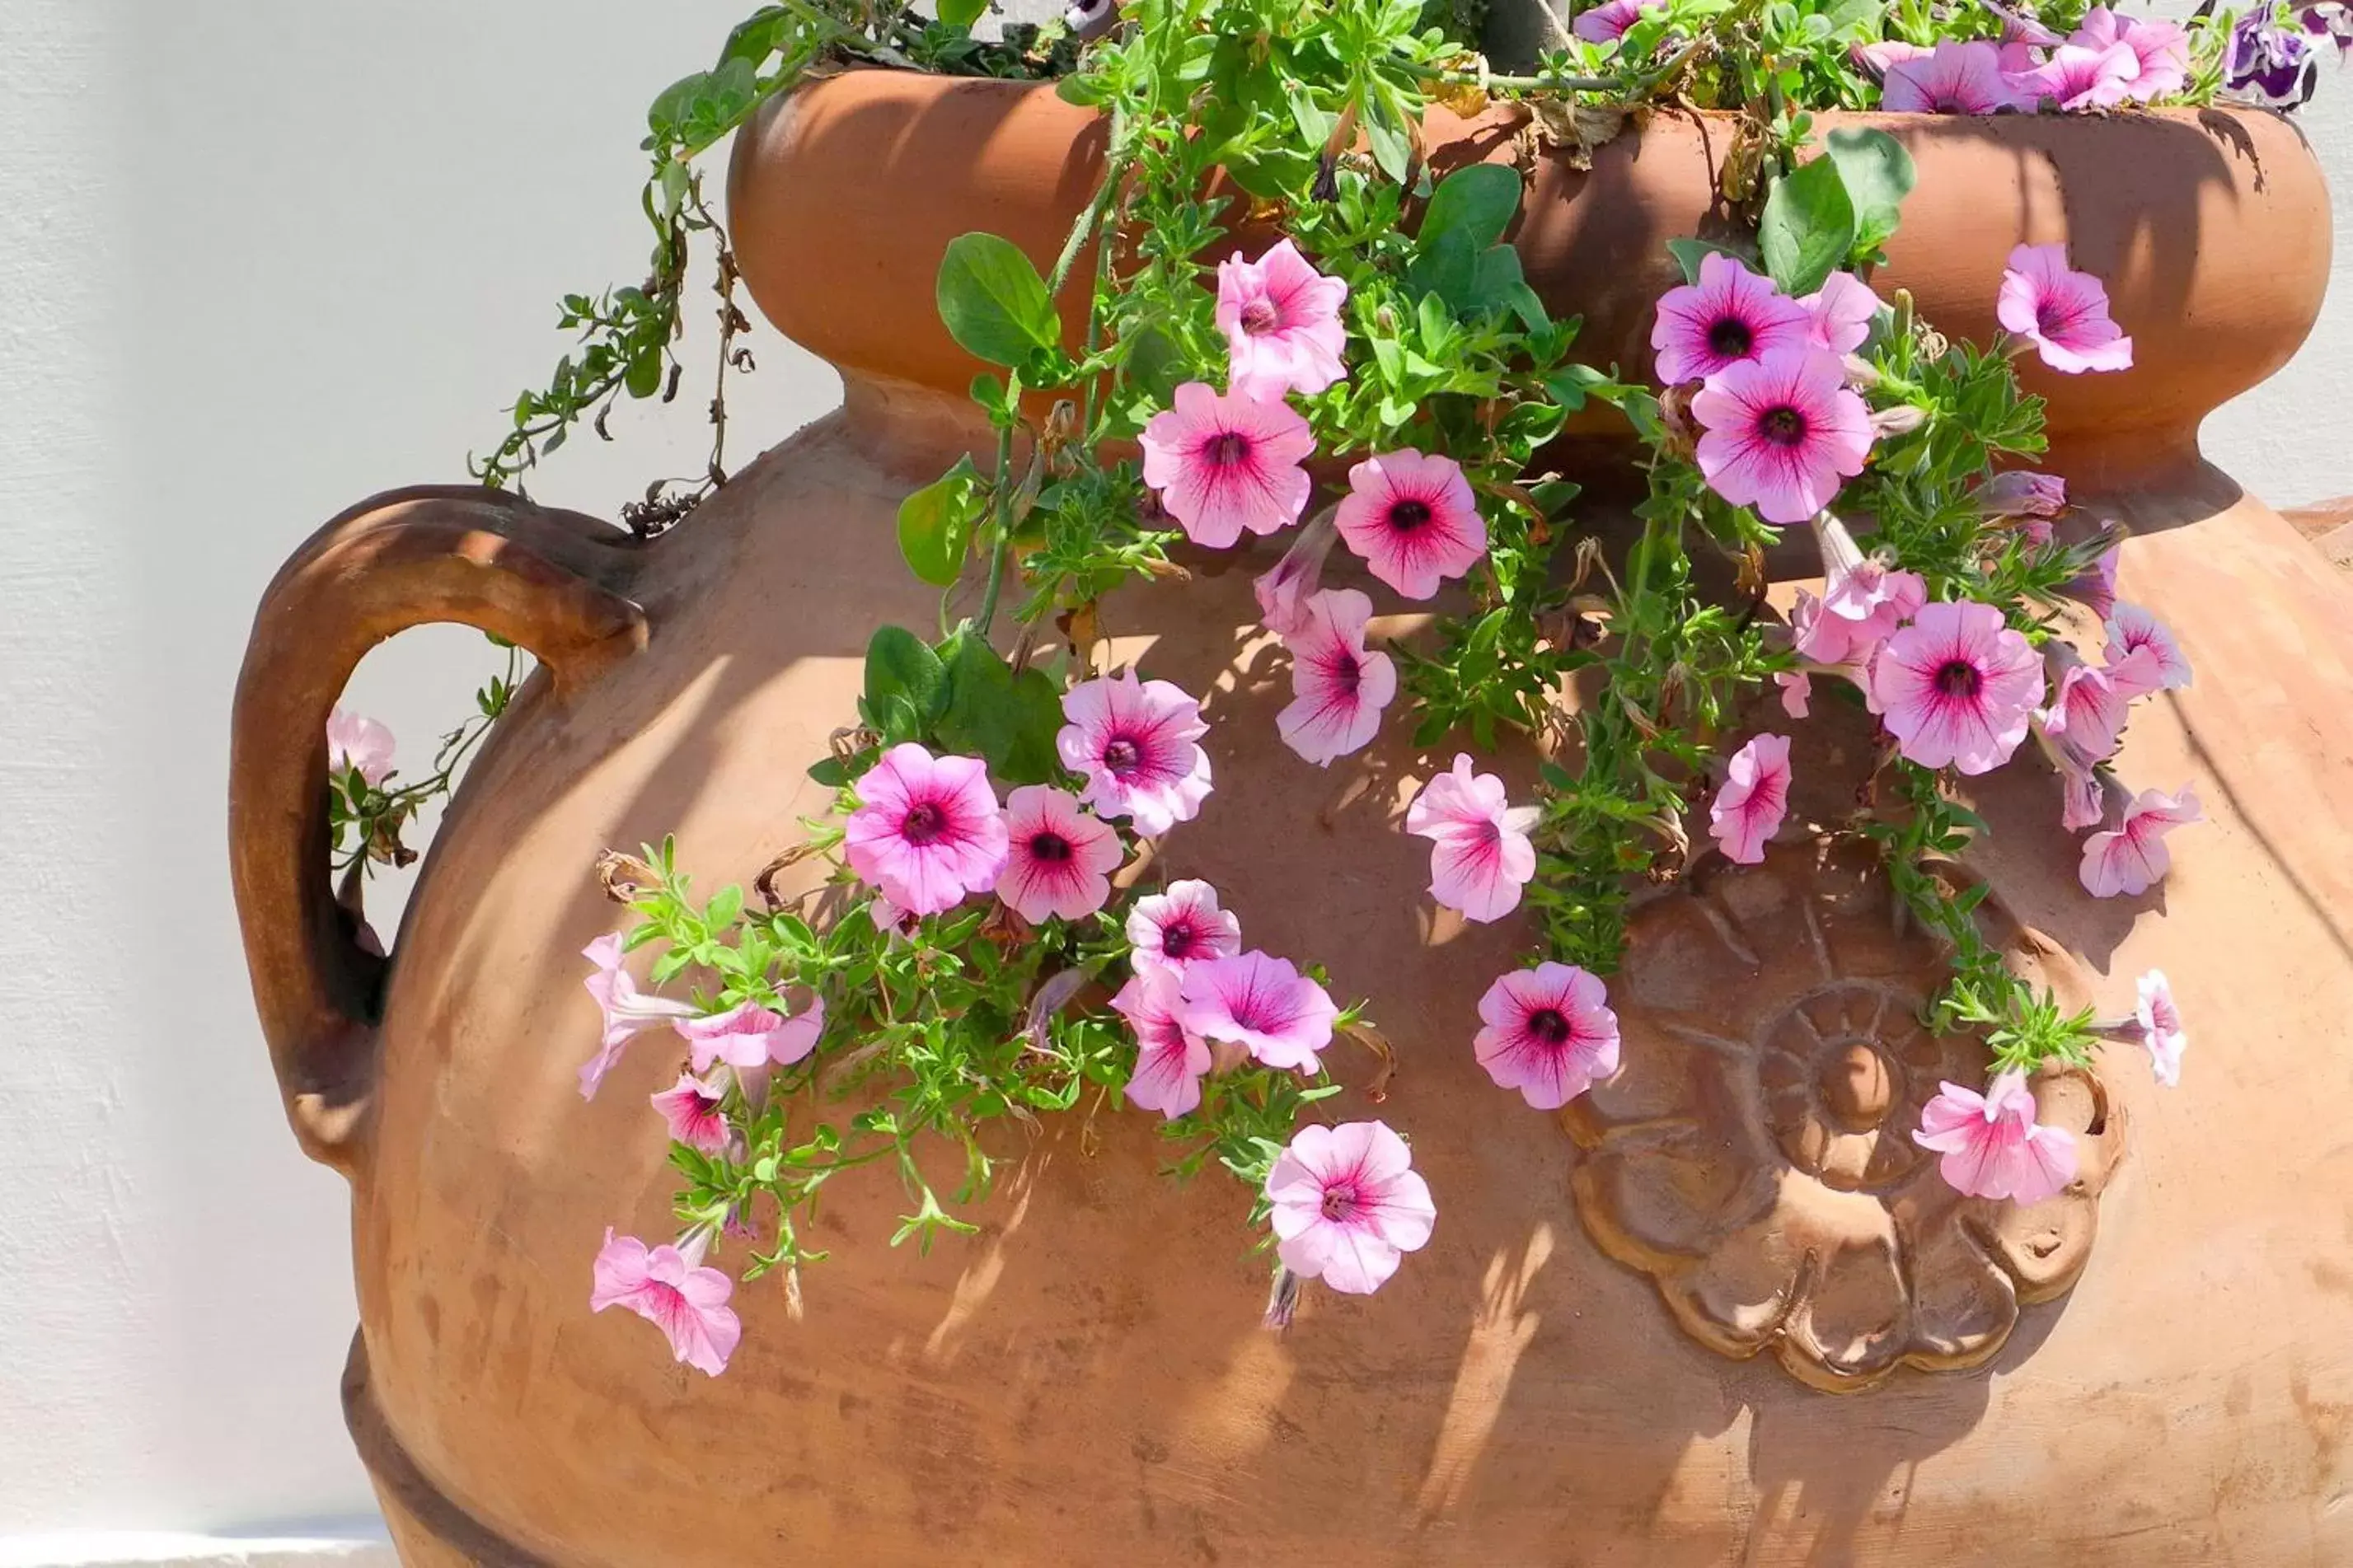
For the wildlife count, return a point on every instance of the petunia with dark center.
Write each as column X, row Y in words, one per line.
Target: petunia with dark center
column 1729, row 337
column 1784, row 426
column 1339, row 1202
column 1051, row 847
column 1121, row 756
column 1260, row 318
column 1551, row 1026
column 1959, row 677
column 1229, row 449
column 2051, row 318
column 1177, row 941
column 1348, row 674
column 1406, row 515
column 922, row 823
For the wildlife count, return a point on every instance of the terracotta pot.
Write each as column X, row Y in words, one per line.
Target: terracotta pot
column 1573, row 1371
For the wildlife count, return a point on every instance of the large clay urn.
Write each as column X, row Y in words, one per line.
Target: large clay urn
column 1720, row 1311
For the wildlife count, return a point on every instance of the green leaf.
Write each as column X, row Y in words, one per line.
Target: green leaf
column 1689, row 253
column 1153, row 364
column 1808, row 229
column 1570, row 384
column 962, row 13
column 1497, row 283
column 906, row 685
column 1009, row 722
column 993, row 302
column 1385, row 131
column 935, row 524
column 1878, row 174
column 1478, row 201
column 1446, row 270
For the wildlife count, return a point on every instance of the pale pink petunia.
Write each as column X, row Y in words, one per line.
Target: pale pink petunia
column 1956, row 688
column 2077, row 78
column 1549, row 1033
column 1608, row 22
column 1783, row 432
column 895, row 924
column 1170, row 1060
column 1955, row 79
column 2132, row 630
column 2081, row 796
column 1754, row 797
column 1797, row 691
column 2161, row 1031
column 926, row 830
column 1224, row 465
column 1262, row 1003
column 693, row 1108
column 2160, row 49
column 1731, row 316
column 748, row 1037
column 2022, row 495
column 625, row 1010
column 1283, row 592
column 1992, row 1146
column 2091, row 703
column 1348, row 1205
column 1338, row 687
column 1874, row 59
column 1481, row 855
column 1282, row 321
column 673, row 1291
column 1863, row 601
column 2096, row 589
column 1412, row 518
column 1174, row 930
column 2064, row 313
column 1138, row 744
column 2131, row 857
column 1839, row 312
column 1059, row 859
column 355, row 742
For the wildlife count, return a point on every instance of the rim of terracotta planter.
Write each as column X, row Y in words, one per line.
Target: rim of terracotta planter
column 2210, row 227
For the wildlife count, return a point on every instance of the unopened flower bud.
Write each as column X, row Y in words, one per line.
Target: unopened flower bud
column 2021, row 494
column 1900, row 420
column 1861, row 374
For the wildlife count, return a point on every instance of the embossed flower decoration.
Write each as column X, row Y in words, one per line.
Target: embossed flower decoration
column 1753, row 1153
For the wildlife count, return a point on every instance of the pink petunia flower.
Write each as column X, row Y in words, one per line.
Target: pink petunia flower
column 1840, row 313
column 2161, row 1031
column 926, row 830
column 2017, row 27
column 1782, row 433
column 1260, row 1003
column 2131, row 857
column 1608, row 22
column 1731, row 316
column 1992, row 1146
column 1138, row 743
column 1170, row 1060
column 1413, row 519
column 2082, row 795
column 2020, row 494
column 1223, row 465
column 1549, row 1033
column 1797, row 691
column 2064, row 314
column 1338, row 687
column 691, row 1106
column 1282, row 321
column 355, row 742
column 1348, row 1205
column 2091, row 703
column 1863, row 601
column 2096, row 589
column 1481, row 855
column 1178, row 929
column 748, row 1037
column 1876, row 59
column 625, row 1010
column 2160, row 50
column 1956, row 686
column 673, row 1291
column 1059, row 859
column 2133, row 630
column 1955, row 79
column 1754, row 798
column 2076, row 78
column 1282, row 594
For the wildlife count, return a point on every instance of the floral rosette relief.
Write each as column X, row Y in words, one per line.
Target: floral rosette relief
column 1756, row 1155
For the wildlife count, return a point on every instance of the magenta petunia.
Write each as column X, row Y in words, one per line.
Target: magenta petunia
column 2132, row 630
column 623, row 1010
column 691, row 1106
column 2160, row 49
column 1956, row 686
column 1059, row 859
column 926, row 830
column 1731, row 316
column 1348, row 1205
column 748, row 1037
column 1178, row 929
column 2079, row 78
column 1227, row 465
column 1549, row 1033
column 1412, row 518
column 1282, row 321
column 1338, row 687
column 356, row 742
column 1283, row 592
column 2022, row 495
column 1992, row 1146
column 1783, row 432
column 1840, row 313
column 1955, row 78
column 1608, row 22
column 671, row 1291
column 2064, row 313
column 1138, row 744
column 1260, row 1003
column 1481, row 855
column 2161, row 1031
column 1753, row 799
column 1170, row 1060
column 2131, row 857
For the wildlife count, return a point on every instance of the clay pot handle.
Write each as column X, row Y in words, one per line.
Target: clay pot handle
column 535, row 576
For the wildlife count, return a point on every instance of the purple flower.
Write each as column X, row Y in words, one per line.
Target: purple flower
column 2271, row 64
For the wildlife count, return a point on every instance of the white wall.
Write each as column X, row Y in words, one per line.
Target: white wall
column 256, row 260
